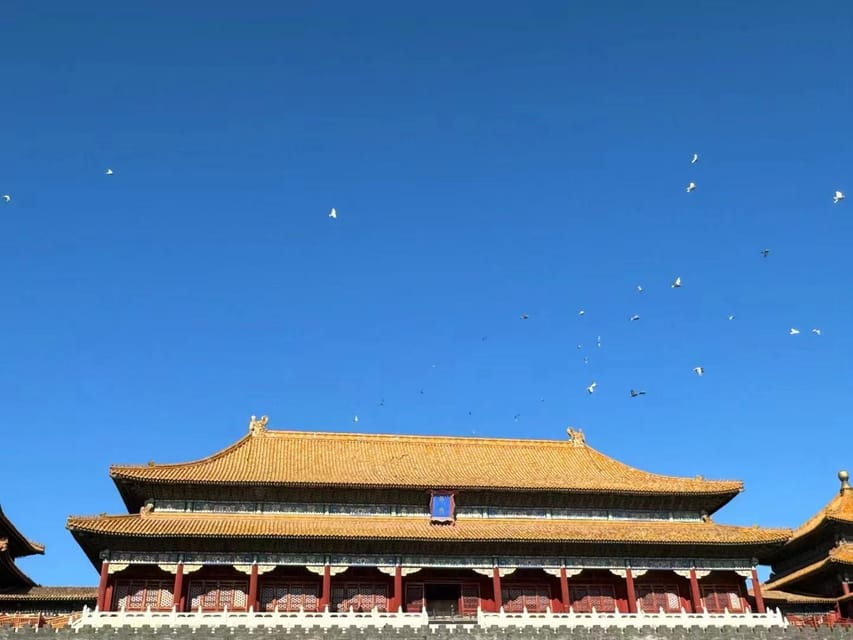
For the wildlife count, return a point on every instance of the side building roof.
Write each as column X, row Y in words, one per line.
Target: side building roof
column 17, row 545
column 307, row 458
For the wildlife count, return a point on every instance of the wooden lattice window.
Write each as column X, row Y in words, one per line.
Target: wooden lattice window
column 290, row 596
column 470, row 598
column 586, row 596
column 360, row 596
column 654, row 597
column 718, row 597
column 139, row 595
column 533, row 597
column 215, row 595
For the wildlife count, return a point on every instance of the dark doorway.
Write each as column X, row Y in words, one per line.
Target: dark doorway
column 442, row 600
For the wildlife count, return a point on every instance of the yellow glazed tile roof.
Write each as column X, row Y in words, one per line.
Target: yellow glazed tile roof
column 784, row 596
column 841, row 554
column 839, row 509
column 51, row 593
column 344, row 459
column 411, row 528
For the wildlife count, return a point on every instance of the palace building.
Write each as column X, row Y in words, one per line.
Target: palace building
column 447, row 526
column 812, row 571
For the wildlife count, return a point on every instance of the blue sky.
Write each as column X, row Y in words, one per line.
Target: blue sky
column 486, row 160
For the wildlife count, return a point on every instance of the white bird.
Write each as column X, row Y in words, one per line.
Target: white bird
column 586, row 359
column 333, row 214
column 691, row 187
column 7, row 197
column 695, row 158
column 639, row 288
column 634, row 317
column 676, row 283
column 355, row 418
column 591, row 388
column 838, row 197
column 108, row 172
column 793, row 332
column 816, row 332
column 598, row 342
column 699, row 371
column 581, row 312
column 731, row 316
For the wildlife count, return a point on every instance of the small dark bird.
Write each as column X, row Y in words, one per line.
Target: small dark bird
column 765, row 253
column 382, row 402
column 422, row 392
column 634, row 393
column 524, row 316
column 516, row 417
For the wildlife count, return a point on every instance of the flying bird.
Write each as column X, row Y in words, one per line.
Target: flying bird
column 598, row 341
column 355, row 418
column 7, row 197
column 586, row 359
column 333, row 214
column 676, row 283
column 581, row 312
column 793, row 332
column 108, row 172
column 382, row 402
column 695, row 158
column 634, row 393
column 524, row 316
column 639, row 288
column 691, row 187
column 516, row 417
column 731, row 316
column 838, row 197
column 591, row 388
column 816, row 332
column 699, row 371
column 765, row 253
column 634, row 317
column 580, row 346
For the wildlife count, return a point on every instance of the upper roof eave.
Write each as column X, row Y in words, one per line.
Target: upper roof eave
column 312, row 459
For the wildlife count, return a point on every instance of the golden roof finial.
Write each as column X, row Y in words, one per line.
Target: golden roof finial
column 576, row 436
column 844, row 477
column 257, row 425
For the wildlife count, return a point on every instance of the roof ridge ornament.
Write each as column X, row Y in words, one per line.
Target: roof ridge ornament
column 258, row 425
column 576, row 436
column 844, row 478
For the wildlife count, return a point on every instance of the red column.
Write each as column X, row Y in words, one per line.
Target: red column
column 326, row 593
column 694, row 592
column 398, row 587
column 253, row 587
column 632, row 595
column 496, row 586
column 102, row 585
column 108, row 597
column 564, row 589
column 756, row 591
column 177, row 592
column 845, row 587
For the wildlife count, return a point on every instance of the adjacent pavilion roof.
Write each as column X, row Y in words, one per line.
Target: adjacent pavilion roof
column 839, row 509
column 46, row 594
column 304, row 458
column 14, row 545
column 17, row 545
column 841, row 554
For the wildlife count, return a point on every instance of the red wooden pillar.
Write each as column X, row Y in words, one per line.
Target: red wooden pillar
column 694, row 592
column 102, row 586
column 177, row 592
column 756, row 591
column 496, row 586
column 326, row 592
column 564, row 589
column 108, row 597
column 632, row 594
column 253, row 588
column 845, row 588
column 398, row 588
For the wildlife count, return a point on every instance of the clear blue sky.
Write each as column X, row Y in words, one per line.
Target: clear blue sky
column 486, row 160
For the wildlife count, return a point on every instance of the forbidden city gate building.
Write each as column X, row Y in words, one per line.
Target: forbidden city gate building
column 288, row 520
